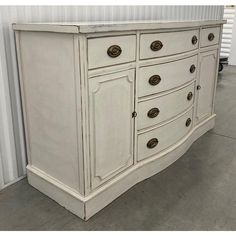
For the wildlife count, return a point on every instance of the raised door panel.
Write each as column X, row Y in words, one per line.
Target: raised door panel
column 206, row 85
column 111, row 102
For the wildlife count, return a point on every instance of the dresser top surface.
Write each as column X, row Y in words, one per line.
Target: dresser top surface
column 108, row 26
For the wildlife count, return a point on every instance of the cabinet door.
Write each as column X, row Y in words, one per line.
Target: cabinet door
column 111, row 103
column 206, row 84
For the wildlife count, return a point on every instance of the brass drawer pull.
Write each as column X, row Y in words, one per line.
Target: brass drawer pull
column 154, row 80
column 198, row 87
column 192, row 68
column 194, row 39
column 188, row 122
column 211, row 36
column 114, row 51
column 190, row 96
column 153, row 112
column 152, row 143
column 156, row 45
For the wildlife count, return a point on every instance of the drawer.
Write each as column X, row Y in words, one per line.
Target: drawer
column 156, row 140
column 159, row 109
column 111, row 50
column 158, row 78
column 164, row 44
column 210, row 36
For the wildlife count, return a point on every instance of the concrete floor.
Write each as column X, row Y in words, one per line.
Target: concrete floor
column 198, row 192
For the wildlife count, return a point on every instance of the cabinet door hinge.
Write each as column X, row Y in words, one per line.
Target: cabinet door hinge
column 134, row 114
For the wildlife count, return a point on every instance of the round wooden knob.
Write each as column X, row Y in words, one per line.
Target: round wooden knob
column 156, row 45
column 188, row 122
column 153, row 112
column 198, row 87
column 114, row 51
column 192, row 68
column 152, row 143
column 154, row 80
column 211, row 36
column 194, row 39
column 190, row 96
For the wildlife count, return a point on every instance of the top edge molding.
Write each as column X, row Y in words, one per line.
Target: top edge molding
column 94, row 27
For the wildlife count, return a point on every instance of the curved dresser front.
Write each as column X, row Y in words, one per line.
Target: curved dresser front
column 109, row 105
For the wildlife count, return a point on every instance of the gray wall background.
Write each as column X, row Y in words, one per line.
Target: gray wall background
column 12, row 149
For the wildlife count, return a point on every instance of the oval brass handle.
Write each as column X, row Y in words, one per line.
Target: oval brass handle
column 192, row 68
column 114, row 51
column 154, row 80
column 190, row 96
column 194, row 39
column 198, row 87
column 153, row 112
column 211, row 36
column 156, row 45
column 188, row 122
column 152, row 143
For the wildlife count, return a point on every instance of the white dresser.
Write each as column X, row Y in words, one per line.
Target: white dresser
column 108, row 105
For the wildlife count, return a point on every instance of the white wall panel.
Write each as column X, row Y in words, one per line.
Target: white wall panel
column 232, row 54
column 13, row 162
column 229, row 15
column 8, row 158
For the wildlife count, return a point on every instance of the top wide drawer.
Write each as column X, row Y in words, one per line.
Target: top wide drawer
column 164, row 44
column 210, row 36
column 109, row 51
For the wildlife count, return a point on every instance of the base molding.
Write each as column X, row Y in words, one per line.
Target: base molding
column 85, row 207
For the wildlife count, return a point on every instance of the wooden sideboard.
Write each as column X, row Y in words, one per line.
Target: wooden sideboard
column 107, row 105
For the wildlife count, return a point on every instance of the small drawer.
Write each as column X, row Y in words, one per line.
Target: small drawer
column 109, row 51
column 159, row 109
column 164, row 44
column 158, row 78
column 156, row 140
column 210, row 36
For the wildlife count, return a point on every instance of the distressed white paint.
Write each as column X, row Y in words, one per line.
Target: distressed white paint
column 97, row 56
column 169, row 106
column 106, row 107
column 111, row 141
column 14, row 161
column 204, row 36
column 167, row 135
column 176, row 69
column 207, row 70
column 171, row 41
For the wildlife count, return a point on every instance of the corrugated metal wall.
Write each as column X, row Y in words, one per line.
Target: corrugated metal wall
column 232, row 55
column 12, row 152
column 229, row 14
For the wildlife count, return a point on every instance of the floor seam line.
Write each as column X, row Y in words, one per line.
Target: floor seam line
column 223, row 135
